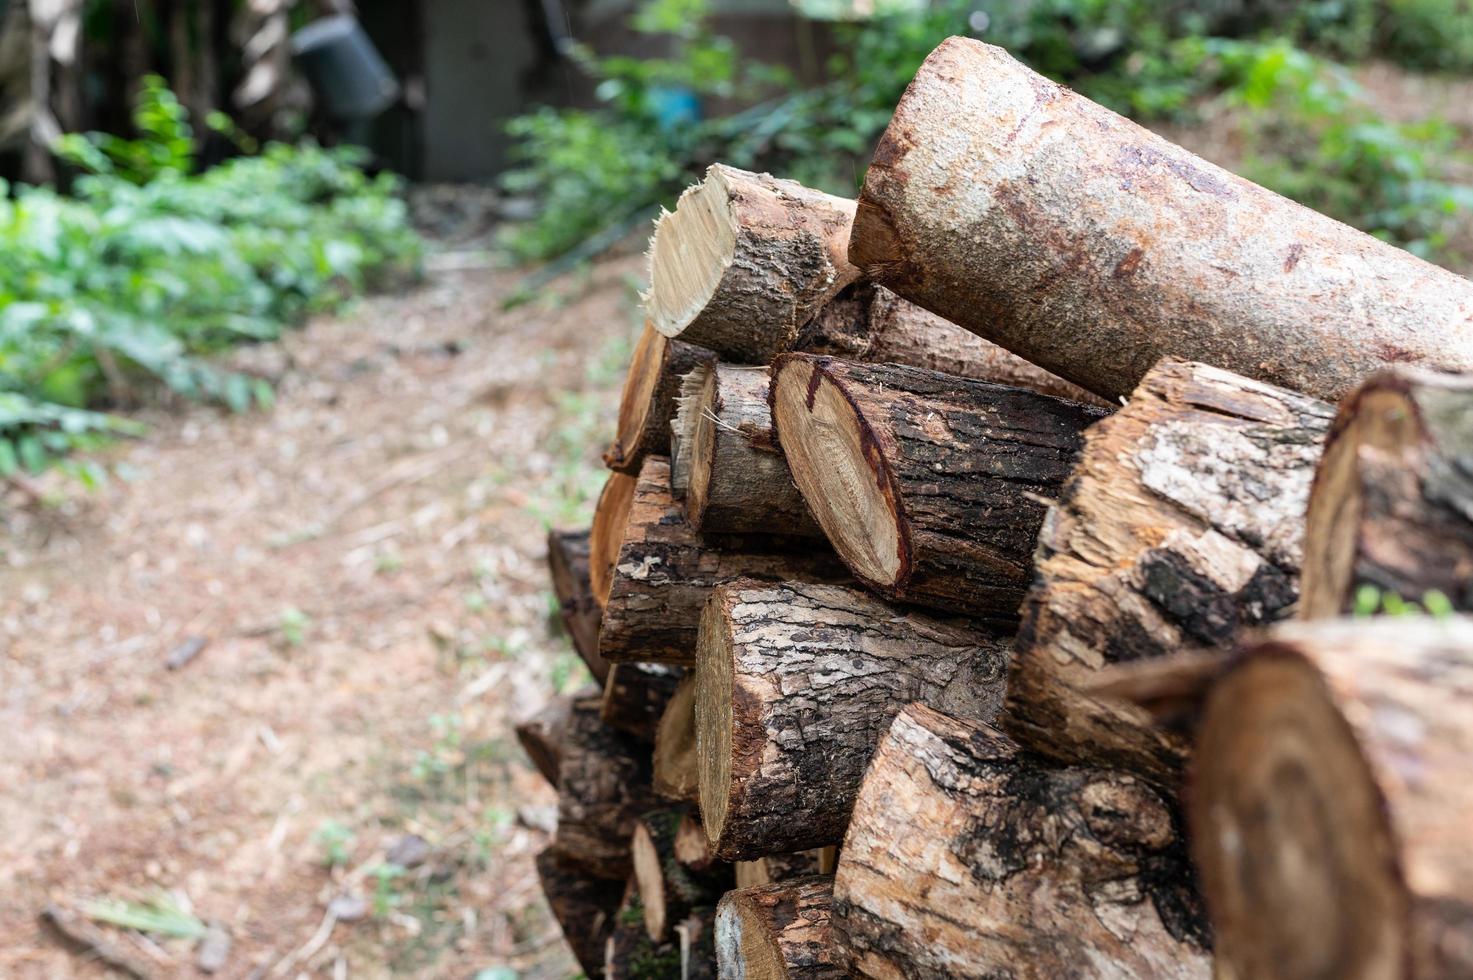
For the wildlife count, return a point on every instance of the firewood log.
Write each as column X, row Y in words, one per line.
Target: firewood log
column 647, row 403
column 1181, row 524
column 795, row 684
column 739, row 482
column 1392, row 504
column 665, row 571
column 541, row 735
column 745, row 261
column 930, row 487
column 610, row 519
column 1093, row 248
column 583, row 906
column 668, row 889
column 773, row 868
column 635, row 696
column 1331, row 802
column 777, row 932
column 674, row 760
column 683, row 428
column 630, row 954
column 567, row 560
column 967, row 857
column 692, row 847
column 603, row 788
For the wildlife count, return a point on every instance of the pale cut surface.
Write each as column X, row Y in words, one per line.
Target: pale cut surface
column 683, row 427
column 638, row 394
column 651, row 879
column 713, row 721
column 609, row 518
column 689, row 254
column 675, row 745
column 702, row 445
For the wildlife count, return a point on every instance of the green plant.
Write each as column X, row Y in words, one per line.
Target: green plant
column 1371, row 601
column 386, row 896
column 336, row 841
column 445, row 754
column 293, row 625
column 161, row 914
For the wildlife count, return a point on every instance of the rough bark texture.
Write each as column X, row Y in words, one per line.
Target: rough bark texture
column 794, row 686
column 1331, row 802
column 777, row 932
column 1093, row 247
column 567, row 561
column 541, row 735
column 647, row 403
column 603, row 787
column 1392, row 504
column 870, row 323
column 665, row 572
column 970, row 858
column 669, row 889
column 1181, row 524
column 930, row 487
column 739, row 481
column 610, row 521
column 583, row 906
column 675, row 745
column 635, row 697
column 630, row 954
column 745, row 261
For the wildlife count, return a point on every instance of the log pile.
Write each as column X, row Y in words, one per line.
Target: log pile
column 973, row 590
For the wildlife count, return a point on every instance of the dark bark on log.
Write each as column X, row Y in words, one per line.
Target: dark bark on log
column 794, row 686
column 970, row 858
column 1331, row 802
column 1108, row 247
column 1180, row 525
column 930, row 487
column 675, row 746
column 630, row 954
column 777, row 932
column 635, row 697
column 668, row 889
column 1392, row 504
column 610, row 521
column 583, row 906
column 567, row 561
column 541, row 735
column 665, row 572
column 603, row 787
column 647, row 403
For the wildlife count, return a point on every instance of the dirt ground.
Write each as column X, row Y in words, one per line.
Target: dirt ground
column 364, row 565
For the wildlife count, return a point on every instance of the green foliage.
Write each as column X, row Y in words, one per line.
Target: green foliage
column 161, row 915
column 1429, row 34
column 1371, row 601
column 336, row 841
column 386, row 895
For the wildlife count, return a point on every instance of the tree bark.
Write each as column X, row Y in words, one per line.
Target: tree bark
column 777, row 932
column 739, row 482
column 745, row 262
column 584, row 907
column 610, row 523
column 1180, row 525
column 795, row 684
column 968, row 858
column 668, row 889
column 1392, row 504
column 630, row 954
column 636, row 695
column 1331, row 802
column 1093, row 247
column 675, row 745
column 603, row 787
column 541, row 735
column 930, row 487
column 666, row 571
column 647, row 403
column 568, row 563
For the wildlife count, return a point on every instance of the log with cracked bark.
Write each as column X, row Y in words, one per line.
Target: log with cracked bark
column 1331, row 802
column 567, row 561
column 1392, row 504
column 930, row 487
column 669, row 890
column 603, row 787
column 610, row 520
column 635, row 696
column 665, row 571
column 1181, row 524
column 745, row 261
column 777, row 932
column 584, row 907
column 674, row 761
column 794, row 685
column 647, row 402
column 967, row 857
column 1108, row 247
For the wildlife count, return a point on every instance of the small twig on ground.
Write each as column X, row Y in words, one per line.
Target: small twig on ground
column 81, row 937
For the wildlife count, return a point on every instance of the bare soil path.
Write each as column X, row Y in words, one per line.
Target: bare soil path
column 364, row 566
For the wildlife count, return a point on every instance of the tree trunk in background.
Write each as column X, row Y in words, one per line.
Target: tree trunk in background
column 777, row 932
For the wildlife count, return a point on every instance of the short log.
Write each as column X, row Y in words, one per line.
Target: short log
column 636, row 695
column 603, row 788
column 777, row 932
column 669, row 889
column 675, row 745
column 567, row 561
column 647, row 402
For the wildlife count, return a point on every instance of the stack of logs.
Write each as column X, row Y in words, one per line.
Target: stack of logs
column 967, row 593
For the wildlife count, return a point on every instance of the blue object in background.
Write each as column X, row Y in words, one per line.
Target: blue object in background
column 674, row 107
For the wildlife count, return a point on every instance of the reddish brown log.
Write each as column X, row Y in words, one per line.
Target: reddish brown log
column 567, row 560
column 610, row 517
column 647, row 403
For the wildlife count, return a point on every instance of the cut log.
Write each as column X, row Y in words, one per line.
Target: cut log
column 739, row 482
column 636, row 695
column 1093, row 247
column 1331, row 802
column 675, row 745
column 603, row 788
column 583, row 906
column 541, row 735
column 794, row 686
column 610, row 518
column 668, row 889
column 647, row 403
column 666, row 571
column 1392, row 504
column 780, row 867
column 931, row 488
column 969, row 858
column 1181, row 524
column 567, row 561
column 630, row 954
column 683, row 427
column 745, row 261
column 777, row 932
column 692, row 848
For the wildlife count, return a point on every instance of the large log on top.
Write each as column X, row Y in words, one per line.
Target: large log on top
column 777, row 932
column 567, row 561
column 1090, row 246
column 603, row 788
column 794, row 685
column 1392, row 504
column 1181, row 524
column 583, row 906
column 969, row 858
column 930, row 487
column 745, row 261
column 665, row 571
column 1331, row 802
column 647, row 403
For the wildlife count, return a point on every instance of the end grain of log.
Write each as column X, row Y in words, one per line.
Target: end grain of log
column 777, row 932
column 675, row 745
column 610, row 517
column 647, row 402
column 781, row 867
column 670, row 890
